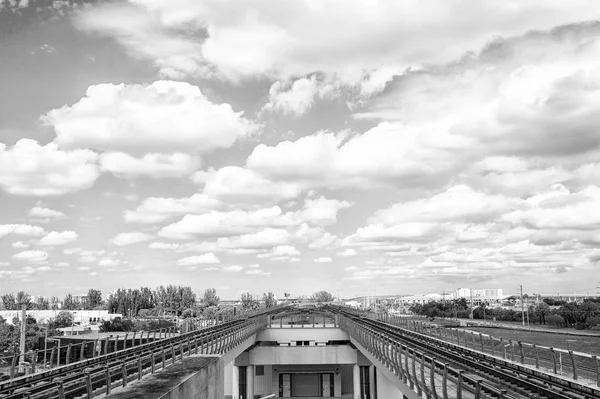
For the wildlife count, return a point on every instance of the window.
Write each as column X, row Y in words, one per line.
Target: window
column 259, row 370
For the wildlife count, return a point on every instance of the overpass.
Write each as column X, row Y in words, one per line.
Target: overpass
column 328, row 351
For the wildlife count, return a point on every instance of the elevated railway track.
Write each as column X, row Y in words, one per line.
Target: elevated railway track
column 452, row 370
column 102, row 374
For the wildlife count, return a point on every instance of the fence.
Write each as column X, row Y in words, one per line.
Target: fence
column 568, row 363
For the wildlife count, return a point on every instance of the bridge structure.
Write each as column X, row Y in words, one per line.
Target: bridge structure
column 318, row 351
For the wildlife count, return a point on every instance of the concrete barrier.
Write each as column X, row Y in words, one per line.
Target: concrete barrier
column 197, row 377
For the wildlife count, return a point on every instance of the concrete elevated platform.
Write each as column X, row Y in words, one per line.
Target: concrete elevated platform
column 197, row 377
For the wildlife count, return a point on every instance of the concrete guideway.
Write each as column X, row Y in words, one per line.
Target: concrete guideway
column 394, row 345
column 94, row 377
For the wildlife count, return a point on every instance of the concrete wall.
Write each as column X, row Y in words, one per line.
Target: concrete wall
column 198, row 376
column 342, row 354
column 302, row 334
column 385, row 389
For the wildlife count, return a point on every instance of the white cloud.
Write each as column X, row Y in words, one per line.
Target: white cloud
column 45, row 213
column 33, row 256
column 109, row 262
column 388, row 153
column 163, row 245
column 336, row 37
column 135, row 237
column 30, row 169
column 266, row 238
column 57, row 238
column 282, row 253
column 322, row 211
column 20, row 245
column 209, row 258
column 233, row 184
column 297, row 97
column 323, row 260
column 233, row 268
column 227, row 223
column 347, row 252
column 21, row 230
column 159, row 209
column 163, row 117
column 258, row 272
column 157, row 166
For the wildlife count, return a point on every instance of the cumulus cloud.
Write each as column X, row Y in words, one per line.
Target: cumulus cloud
column 282, row 253
column 324, row 259
column 162, row 117
column 163, row 245
column 158, row 166
column 265, row 38
column 21, row 230
column 297, row 97
column 44, row 213
column 234, row 184
column 158, row 209
column 135, row 237
column 233, row 268
column 390, row 152
column 58, row 238
column 209, row 258
column 33, row 256
column 239, row 222
column 31, row 169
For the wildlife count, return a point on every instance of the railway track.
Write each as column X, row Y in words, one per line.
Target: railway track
column 102, row 374
column 495, row 374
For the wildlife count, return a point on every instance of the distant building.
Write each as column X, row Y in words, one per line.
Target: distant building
column 490, row 296
column 79, row 316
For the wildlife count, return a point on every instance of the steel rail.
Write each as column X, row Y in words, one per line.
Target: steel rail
column 213, row 339
column 531, row 380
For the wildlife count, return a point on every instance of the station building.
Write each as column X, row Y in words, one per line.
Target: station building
column 303, row 355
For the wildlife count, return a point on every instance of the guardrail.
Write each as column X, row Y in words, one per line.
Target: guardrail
column 45, row 359
column 424, row 374
column 106, row 371
column 561, row 362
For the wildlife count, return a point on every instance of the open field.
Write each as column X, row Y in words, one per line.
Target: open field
column 579, row 344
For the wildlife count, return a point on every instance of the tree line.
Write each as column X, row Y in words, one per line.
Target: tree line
column 585, row 315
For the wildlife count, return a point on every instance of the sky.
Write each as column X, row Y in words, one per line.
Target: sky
column 355, row 146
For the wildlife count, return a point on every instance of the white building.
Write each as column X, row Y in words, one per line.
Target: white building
column 79, row 316
column 481, row 295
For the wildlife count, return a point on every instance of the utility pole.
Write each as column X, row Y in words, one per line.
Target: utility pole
column 522, row 306
column 471, row 292
column 23, row 328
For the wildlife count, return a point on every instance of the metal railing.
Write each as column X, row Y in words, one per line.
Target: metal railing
column 106, row 371
column 561, row 362
column 422, row 373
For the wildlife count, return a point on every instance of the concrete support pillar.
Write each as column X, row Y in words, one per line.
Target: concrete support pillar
column 356, row 381
column 235, row 389
column 250, row 381
column 372, row 381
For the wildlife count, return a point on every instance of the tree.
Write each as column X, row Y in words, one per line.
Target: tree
column 322, row 296
column 9, row 302
column 269, row 299
column 116, row 324
column 541, row 310
column 69, row 303
column 210, row 298
column 42, row 303
column 54, row 303
column 248, row 301
column 62, row 319
column 23, row 298
column 94, row 299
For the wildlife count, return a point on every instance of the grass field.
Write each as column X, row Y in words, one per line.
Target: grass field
column 577, row 343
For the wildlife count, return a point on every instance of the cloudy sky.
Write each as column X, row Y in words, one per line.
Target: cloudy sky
column 363, row 146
